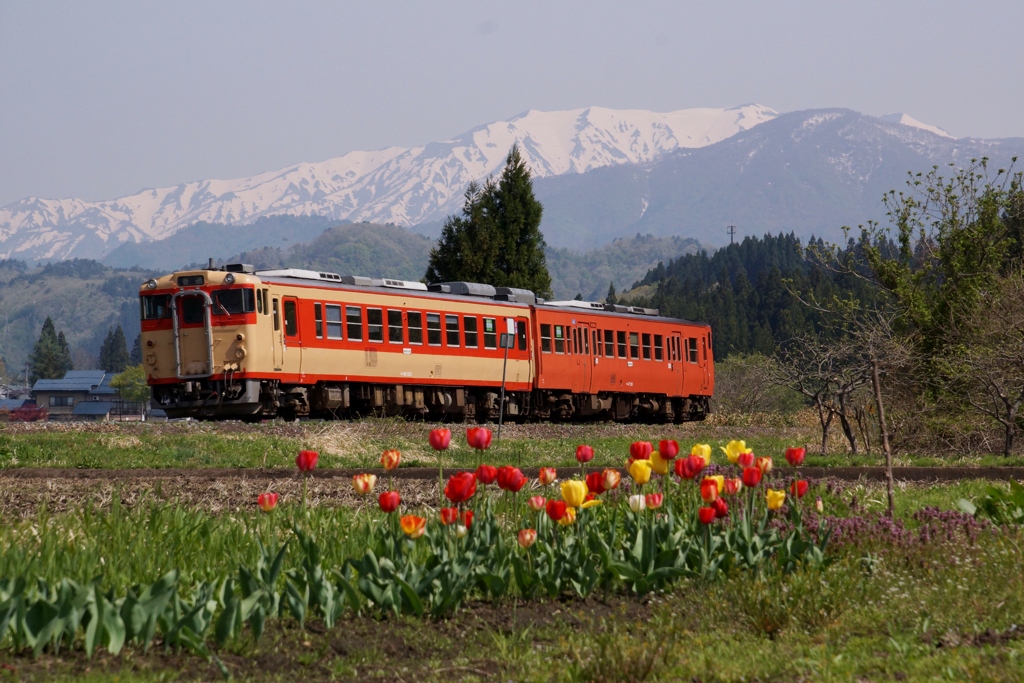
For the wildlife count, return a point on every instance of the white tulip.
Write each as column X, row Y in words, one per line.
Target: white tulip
column 637, row 503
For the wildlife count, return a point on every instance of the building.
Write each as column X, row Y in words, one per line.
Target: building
column 80, row 395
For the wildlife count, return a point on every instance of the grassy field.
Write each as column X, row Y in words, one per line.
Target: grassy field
column 359, row 444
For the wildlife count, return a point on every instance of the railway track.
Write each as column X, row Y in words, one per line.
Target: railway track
column 908, row 474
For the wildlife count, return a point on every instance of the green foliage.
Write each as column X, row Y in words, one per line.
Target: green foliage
column 497, row 239
column 114, row 352
column 132, row 383
column 999, row 505
column 51, row 357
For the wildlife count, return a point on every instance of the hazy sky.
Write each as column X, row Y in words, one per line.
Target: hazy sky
column 99, row 100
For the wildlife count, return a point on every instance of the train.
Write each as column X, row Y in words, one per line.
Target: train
column 232, row 342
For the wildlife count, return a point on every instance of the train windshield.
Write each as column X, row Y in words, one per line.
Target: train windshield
column 156, row 306
column 234, row 301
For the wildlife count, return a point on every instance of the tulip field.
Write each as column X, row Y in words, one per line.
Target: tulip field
column 606, row 553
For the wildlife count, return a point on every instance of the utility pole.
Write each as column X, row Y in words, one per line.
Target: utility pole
column 731, row 229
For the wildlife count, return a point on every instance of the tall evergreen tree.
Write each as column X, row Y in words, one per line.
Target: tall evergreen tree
column 497, row 239
column 135, row 357
column 114, row 352
column 47, row 360
column 65, row 353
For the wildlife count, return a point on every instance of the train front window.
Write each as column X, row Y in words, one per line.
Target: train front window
column 156, row 306
column 234, row 301
column 193, row 310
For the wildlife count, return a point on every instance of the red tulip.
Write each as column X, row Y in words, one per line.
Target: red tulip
column 267, row 501
column 479, row 438
column 733, row 486
column 306, row 460
column 510, row 478
column 440, row 439
column 751, row 477
column 640, row 450
column 595, row 483
column 707, row 515
column 795, row 456
column 389, row 501
column 449, row 515
column 720, row 507
column 654, row 500
column 668, row 449
column 466, row 518
column 584, row 454
column 537, row 503
column 709, row 490
column 547, row 475
column 689, row 467
column 745, row 460
column 460, row 487
column 798, row 488
column 556, row 509
column 486, row 474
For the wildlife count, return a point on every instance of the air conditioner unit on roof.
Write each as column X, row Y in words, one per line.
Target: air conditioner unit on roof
column 464, row 288
column 589, row 305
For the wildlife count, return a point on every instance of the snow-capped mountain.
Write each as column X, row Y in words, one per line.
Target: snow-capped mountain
column 395, row 185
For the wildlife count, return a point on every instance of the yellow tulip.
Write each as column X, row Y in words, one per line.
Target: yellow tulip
column 733, row 449
column 658, row 464
column 703, row 451
column 569, row 517
column 590, row 503
column 720, row 480
column 574, row 492
column 640, row 470
column 775, row 499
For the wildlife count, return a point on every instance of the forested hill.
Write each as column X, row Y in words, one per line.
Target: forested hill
column 744, row 292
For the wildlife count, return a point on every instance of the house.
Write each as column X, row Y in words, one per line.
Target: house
column 80, row 395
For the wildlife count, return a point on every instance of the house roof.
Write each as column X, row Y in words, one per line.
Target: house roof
column 93, row 408
column 75, row 380
column 11, row 403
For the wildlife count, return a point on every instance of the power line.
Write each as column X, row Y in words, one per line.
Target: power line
column 731, row 229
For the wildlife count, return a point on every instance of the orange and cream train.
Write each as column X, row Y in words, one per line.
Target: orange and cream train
column 236, row 343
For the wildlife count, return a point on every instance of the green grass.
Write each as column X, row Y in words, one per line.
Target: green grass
column 359, row 444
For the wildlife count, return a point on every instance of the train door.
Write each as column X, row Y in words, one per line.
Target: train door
column 705, row 366
column 292, row 338
column 676, row 362
column 277, row 335
column 524, row 349
column 586, row 356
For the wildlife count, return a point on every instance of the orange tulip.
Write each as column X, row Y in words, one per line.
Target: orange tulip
column 390, row 459
column 764, row 464
column 733, row 486
column 547, row 475
column 413, row 526
column 527, row 537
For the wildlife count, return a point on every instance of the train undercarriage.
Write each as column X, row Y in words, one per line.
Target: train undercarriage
column 267, row 399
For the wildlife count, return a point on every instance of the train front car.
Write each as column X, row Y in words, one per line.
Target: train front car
column 197, row 332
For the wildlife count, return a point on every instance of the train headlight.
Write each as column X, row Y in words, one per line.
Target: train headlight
column 229, row 279
column 151, row 359
column 240, row 352
column 150, row 284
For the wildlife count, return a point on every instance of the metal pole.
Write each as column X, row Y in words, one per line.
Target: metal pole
column 501, row 408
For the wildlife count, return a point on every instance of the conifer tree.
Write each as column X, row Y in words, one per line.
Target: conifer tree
column 497, row 238
column 114, row 352
column 47, row 358
column 611, row 298
column 135, row 357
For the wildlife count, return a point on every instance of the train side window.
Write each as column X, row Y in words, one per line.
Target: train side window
column 433, row 329
column 291, row 321
column 559, row 339
column 634, row 345
column 647, row 345
column 451, row 328
column 620, row 338
column 334, row 321
column 596, row 334
column 277, row 316
column 394, row 326
column 415, row 319
column 375, row 324
column 609, row 344
column 521, row 334
column 586, row 341
column 658, row 347
column 259, row 301
column 704, row 346
column 691, row 349
column 469, row 329
column 571, row 339
column 318, row 316
column 354, row 317
column 490, row 333
column 545, row 338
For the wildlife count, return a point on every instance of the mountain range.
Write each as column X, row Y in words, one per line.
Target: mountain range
column 601, row 174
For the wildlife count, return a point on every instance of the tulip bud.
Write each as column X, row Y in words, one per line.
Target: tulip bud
column 527, row 537
column 449, row 515
column 668, row 449
column 364, row 483
column 775, row 499
column 745, row 460
column 537, row 503
column 707, row 515
column 306, row 460
column 610, row 479
column 764, row 464
column 795, row 456
column 654, row 500
column 390, row 459
column 267, row 501
column 637, row 503
column 479, row 438
column 389, row 501
column 798, row 488
column 547, row 476
column 440, row 439
column 584, row 454
column 461, row 531
column 819, row 506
